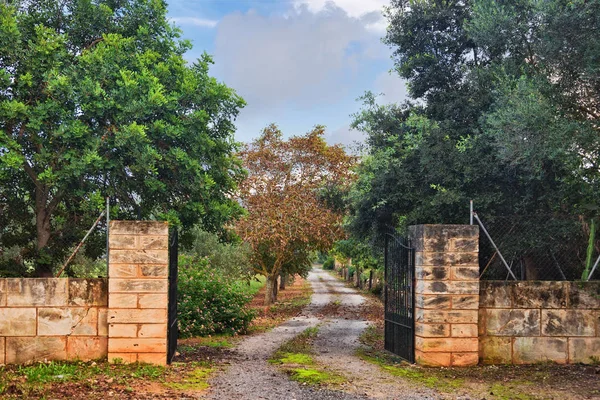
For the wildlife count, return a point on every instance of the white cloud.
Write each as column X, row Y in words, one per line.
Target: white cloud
column 301, row 59
column 391, row 86
column 346, row 136
column 354, row 8
column 201, row 22
column 369, row 12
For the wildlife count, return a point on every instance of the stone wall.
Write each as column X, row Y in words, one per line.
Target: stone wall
column 52, row 319
column 124, row 317
column 138, row 291
column 446, row 294
column 528, row 322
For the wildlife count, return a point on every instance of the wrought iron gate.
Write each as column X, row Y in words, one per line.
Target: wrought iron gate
column 172, row 329
column 399, row 297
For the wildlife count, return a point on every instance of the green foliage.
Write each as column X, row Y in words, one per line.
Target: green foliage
column 210, row 302
column 506, row 114
column 230, row 259
column 97, row 100
column 329, row 263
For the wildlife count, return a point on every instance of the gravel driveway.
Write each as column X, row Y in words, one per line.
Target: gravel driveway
column 250, row 376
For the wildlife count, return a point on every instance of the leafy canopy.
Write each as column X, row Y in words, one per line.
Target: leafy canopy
column 97, row 100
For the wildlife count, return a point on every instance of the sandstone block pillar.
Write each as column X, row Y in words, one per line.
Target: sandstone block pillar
column 446, row 294
column 138, row 291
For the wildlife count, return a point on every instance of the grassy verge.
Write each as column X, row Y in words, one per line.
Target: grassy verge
column 295, row 357
column 93, row 380
column 493, row 382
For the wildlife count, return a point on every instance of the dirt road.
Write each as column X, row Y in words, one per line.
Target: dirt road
column 250, row 376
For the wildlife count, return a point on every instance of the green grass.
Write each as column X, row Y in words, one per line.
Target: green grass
column 295, row 358
column 36, row 376
column 313, row 376
column 197, row 379
column 505, row 392
column 394, row 366
column 255, row 285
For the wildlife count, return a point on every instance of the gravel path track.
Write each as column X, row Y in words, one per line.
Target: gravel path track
column 250, row 376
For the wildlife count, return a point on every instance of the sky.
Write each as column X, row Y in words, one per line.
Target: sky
column 297, row 63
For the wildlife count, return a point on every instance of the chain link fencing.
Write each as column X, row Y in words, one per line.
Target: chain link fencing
column 534, row 247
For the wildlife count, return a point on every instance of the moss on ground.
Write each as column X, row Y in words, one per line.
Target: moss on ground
column 295, row 358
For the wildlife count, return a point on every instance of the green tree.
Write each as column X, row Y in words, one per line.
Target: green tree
column 97, row 100
column 288, row 216
column 505, row 114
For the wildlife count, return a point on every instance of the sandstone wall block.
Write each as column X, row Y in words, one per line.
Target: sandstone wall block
column 538, row 294
column 88, row 292
column 122, row 270
column 86, row 348
column 137, row 345
column 139, row 256
column 138, row 285
column 529, row 350
column 440, row 302
column 450, row 345
column 102, row 322
column 432, row 330
column 122, row 242
column 432, row 273
column 152, row 358
column 495, row 294
column 511, row 322
column 154, row 271
column 123, row 300
column 126, row 316
column 568, row 323
column 17, row 321
column 433, row 359
column 22, row 350
column 159, row 300
column 584, row 350
column 495, row 350
column 153, row 242
column 27, row 292
column 468, row 302
column 465, row 359
column 464, row 330
column 584, row 295
column 68, row 321
column 139, row 228
column 2, row 351
column 2, row 292
column 446, row 316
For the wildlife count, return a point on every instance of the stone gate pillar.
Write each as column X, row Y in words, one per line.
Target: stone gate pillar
column 446, row 294
column 138, row 291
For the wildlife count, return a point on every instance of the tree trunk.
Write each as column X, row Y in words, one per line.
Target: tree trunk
column 371, row 279
column 43, row 266
column 282, row 281
column 275, row 290
column 271, row 282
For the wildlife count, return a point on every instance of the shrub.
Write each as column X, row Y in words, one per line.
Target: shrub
column 329, row 264
column 231, row 259
column 209, row 302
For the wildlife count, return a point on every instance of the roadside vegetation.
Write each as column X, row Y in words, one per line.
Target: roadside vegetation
column 99, row 379
column 296, row 358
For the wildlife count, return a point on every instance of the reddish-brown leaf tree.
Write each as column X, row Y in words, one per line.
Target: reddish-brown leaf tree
column 283, row 193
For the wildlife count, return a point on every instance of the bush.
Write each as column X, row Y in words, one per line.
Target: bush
column 231, row 259
column 209, row 302
column 329, row 264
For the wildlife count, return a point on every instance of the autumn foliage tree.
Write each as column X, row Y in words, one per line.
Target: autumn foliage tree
column 285, row 194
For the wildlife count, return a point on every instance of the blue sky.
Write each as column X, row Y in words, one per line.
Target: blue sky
column 297, row 63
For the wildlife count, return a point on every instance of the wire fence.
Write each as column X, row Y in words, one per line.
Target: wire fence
column 534, row 247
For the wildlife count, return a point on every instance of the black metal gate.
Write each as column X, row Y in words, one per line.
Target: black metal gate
column 172, row 329
column 399, row 297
